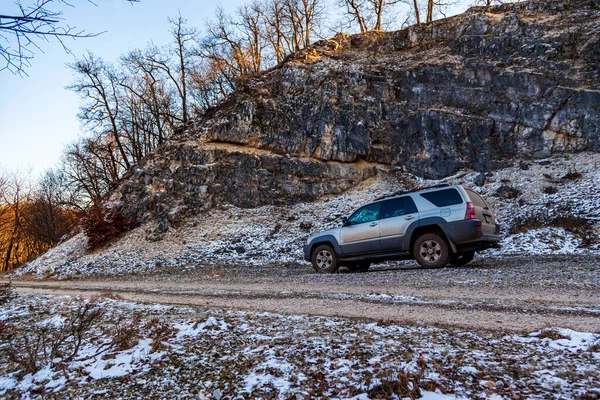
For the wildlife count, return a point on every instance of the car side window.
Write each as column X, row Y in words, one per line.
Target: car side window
column 368, row 213
column 398, row 207
column 443, row 198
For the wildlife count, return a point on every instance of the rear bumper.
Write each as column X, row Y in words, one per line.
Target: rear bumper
column 468, row 236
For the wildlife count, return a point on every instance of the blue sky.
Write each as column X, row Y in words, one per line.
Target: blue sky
column 38, row 116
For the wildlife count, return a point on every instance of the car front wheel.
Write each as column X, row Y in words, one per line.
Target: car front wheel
column 324, row 260
column 431, row 251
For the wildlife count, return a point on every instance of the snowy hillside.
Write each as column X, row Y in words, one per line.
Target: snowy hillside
column 546, row 206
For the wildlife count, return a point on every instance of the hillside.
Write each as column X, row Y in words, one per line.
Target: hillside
column 474, row 91
column 509, row 93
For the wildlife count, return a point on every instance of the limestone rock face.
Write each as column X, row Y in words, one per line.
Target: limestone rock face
column 472, row 91
column 185, row 178
column 518, row 80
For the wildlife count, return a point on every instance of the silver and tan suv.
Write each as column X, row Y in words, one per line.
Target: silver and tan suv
column 438, row 225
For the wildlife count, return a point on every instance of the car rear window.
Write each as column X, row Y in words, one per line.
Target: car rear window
column 476, row 199
column 397, row 207
column 443, row 198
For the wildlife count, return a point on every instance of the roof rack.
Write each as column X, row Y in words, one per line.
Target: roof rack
column 441, row 185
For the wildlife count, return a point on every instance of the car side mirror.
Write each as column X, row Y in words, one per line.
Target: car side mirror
column 345, row 221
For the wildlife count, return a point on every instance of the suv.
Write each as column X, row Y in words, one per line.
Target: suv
column 437, row 225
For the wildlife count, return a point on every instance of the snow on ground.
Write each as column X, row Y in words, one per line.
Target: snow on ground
column 199, row 353
column 272, row 235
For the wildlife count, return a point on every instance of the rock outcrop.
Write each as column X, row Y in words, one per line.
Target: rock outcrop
column 519, row 80
column 188, row 177
column 472, row 91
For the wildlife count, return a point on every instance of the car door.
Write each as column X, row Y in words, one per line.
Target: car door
column 361, row 235
column 396, row 215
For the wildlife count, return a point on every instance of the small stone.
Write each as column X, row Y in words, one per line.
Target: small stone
column 163, row 226
column 479, row 179
column 499, row 384
column 240, row 250
column 217, row 394
column 523, row 165
column 488, row 384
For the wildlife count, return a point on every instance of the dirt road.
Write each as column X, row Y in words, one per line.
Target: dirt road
column 513, row 294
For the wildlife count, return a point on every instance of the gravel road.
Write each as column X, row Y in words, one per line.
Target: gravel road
column 508, row 294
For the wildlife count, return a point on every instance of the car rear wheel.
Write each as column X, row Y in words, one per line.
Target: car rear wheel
column 431, row 251
column 460, row 259
column 359, row 267
column 324, row 260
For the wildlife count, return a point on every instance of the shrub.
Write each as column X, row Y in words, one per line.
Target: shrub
column 550, row 190
column 100, row 227
column 159, row 331
column 54, row 344
column 508, row 192
column 7, row 293
column 569, row 176
column 404, row 385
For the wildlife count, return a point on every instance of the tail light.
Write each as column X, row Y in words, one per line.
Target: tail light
column 470, row 214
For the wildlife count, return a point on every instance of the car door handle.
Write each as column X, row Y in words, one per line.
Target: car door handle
column 409, row 217
column 373, row 224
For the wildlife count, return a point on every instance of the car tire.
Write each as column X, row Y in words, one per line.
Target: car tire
column 324, row 260
column 460, row 259
column 359, row 267
column 431, row 251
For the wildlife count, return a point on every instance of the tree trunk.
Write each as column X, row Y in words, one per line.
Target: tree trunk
column 416, row 5
column 429, row 11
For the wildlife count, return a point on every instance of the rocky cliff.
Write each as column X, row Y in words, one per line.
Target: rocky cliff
column 478, row 90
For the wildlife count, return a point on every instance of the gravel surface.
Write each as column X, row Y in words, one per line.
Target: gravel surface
column 509, row 293
column 132, row 350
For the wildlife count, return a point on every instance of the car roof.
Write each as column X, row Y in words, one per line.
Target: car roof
column 418, row 190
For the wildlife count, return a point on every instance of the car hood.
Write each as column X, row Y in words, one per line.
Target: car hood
column 334, row 232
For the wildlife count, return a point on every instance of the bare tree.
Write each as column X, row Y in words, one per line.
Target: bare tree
column 273, row 14
column 489, row 3
column 86, row 172
column 438, row 7
column 16, row 195
column 22, row 30
column 251, row 35
column 98, row 85
column 48, row 217
column 182, row 36
column 416, row 11
column 368, row 14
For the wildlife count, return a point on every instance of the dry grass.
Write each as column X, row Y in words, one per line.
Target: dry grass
column 550, row 190
column 551, row 334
